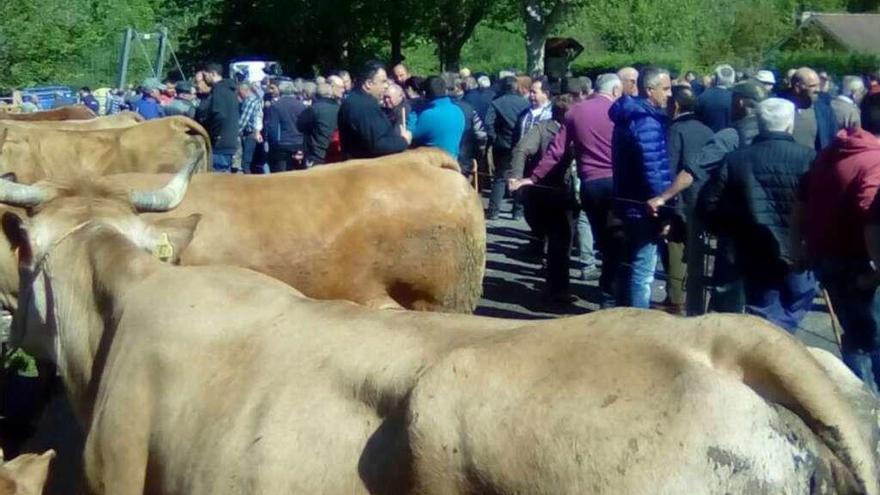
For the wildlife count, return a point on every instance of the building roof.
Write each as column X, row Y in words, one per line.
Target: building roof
column 856, row 32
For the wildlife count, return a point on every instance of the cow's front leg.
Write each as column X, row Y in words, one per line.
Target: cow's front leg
column 116, row 453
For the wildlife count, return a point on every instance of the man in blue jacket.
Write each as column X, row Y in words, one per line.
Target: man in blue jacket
column 640, row 162
column 441, row 122
column 148, row 106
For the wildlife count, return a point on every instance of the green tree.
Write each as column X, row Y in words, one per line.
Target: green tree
column 451, row 23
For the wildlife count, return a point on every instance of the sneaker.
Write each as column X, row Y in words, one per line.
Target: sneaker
column 491, row 215
column 590, row 273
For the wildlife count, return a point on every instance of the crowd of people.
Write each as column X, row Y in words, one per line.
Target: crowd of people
column 776, row 178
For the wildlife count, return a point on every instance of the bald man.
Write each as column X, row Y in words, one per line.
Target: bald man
column 628, row 77
column 815, row 125
column 400, row 73
column 394, row 103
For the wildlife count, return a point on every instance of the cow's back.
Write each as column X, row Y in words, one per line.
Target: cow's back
column 71, row 112
column 375, row 233
column 161, row 145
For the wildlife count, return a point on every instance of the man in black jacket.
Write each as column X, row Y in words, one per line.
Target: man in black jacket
column 285, row 140
column 751, row 200
column 218, row 114
column 364, row 130
column 318, row 123
column 502, row 129
column 685, row 140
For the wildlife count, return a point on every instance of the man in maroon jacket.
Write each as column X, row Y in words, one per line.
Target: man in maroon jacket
column 840, row 222
column 588, row 130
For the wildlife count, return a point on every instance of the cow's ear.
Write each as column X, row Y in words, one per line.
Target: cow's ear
column 30, row 471
column 180, row 232
column 16, row 232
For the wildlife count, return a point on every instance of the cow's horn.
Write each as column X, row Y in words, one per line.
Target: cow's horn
column 15, row 194
column 166, row 198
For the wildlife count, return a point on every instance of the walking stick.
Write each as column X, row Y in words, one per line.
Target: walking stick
column 835, row 323
column 476, row 172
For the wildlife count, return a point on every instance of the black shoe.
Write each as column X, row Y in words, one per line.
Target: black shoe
column 531, row 249
column 562, row 297
column 491, row 215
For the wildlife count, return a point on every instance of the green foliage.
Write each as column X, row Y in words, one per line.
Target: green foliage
column 21, row 363
column 49, row 41
column 836, row 63
column 78, row 41
column 593, row 65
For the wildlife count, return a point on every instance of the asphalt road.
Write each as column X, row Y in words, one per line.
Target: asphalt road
column 513, row 283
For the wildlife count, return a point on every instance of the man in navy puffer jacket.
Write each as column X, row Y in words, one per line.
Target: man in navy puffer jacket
column 641, row 172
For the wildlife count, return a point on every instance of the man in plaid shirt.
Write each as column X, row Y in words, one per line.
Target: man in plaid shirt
column 251, row 124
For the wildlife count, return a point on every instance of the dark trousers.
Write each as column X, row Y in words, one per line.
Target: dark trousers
column 779, row 295
column 726, row 295
column 596, row 201
column 281, row 159
column 858, row 310
column 552, row 211
column 501, row 157
column 248, row 152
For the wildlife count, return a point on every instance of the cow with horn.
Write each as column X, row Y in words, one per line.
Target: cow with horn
column 220, row 380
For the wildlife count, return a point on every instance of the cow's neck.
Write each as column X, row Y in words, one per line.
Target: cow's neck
column 90, row 276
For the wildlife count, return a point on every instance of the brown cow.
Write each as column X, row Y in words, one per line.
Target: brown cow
column 218, row 380
column 118, row 121
column 402, row 230
column 335, row 240
column 160, row 145
column 71, row 112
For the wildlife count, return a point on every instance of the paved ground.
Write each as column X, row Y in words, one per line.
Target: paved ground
column 513, row 283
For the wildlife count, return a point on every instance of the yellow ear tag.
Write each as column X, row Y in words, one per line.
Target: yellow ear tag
column 163, row 250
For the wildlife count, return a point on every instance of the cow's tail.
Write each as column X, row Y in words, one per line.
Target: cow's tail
column 781, row 370
column 471, row 248
column 202, row 145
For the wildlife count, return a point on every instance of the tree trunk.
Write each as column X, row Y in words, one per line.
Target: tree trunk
column 535, row 19
column 536, row 36
column 449, row 54
column 396, row 42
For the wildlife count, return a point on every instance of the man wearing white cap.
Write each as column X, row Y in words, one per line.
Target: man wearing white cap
column 766, row 78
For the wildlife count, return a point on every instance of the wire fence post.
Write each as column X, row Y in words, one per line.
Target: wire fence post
column 123, row 58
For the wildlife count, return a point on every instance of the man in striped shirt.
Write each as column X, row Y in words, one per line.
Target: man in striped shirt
column 250, row 123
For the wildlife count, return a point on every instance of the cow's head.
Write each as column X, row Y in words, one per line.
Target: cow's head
column 54, row 212
column 26, row 474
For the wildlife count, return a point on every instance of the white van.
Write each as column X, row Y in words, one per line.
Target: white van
column 254, row 70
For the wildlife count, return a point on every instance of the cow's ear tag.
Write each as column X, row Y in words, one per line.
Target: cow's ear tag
column 163, row 250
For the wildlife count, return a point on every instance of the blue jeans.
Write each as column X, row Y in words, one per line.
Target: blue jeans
column 501, row 173
column 642, row 236
column 222, row 162
column 783, row 299
column 858, row 310
column 585, row 240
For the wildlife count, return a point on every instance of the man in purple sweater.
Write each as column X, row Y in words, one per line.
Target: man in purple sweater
column 588, row 129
